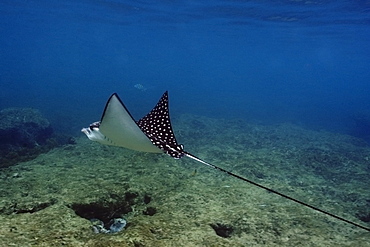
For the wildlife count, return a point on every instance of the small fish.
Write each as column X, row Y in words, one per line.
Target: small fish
column 140, row 87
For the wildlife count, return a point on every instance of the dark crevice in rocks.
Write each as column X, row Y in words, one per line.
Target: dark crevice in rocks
column 110, row 207
column 150, row 211
column 222, row 230
column 21, row 208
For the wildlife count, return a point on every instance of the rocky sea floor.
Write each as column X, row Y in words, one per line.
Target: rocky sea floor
column 48, row 201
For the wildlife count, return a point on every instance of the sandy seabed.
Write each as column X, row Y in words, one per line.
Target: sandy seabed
column 48, row 201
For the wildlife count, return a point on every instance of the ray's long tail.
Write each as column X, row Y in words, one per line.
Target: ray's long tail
column 276, row 192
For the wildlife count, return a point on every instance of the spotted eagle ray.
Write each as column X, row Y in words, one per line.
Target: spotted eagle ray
column 154, row 134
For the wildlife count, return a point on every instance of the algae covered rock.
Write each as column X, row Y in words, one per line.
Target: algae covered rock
column 23, row 127
column 24, row 133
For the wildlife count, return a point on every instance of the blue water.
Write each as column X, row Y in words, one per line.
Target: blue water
column 304, row 62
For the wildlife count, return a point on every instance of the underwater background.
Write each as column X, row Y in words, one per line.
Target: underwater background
column 305, row 62
column 274, row 91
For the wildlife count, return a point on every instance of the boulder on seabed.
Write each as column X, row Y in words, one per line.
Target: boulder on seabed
column 23, row 128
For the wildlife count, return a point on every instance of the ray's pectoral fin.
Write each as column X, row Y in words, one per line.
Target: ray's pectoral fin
column 157, row 127
column 118, row 128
